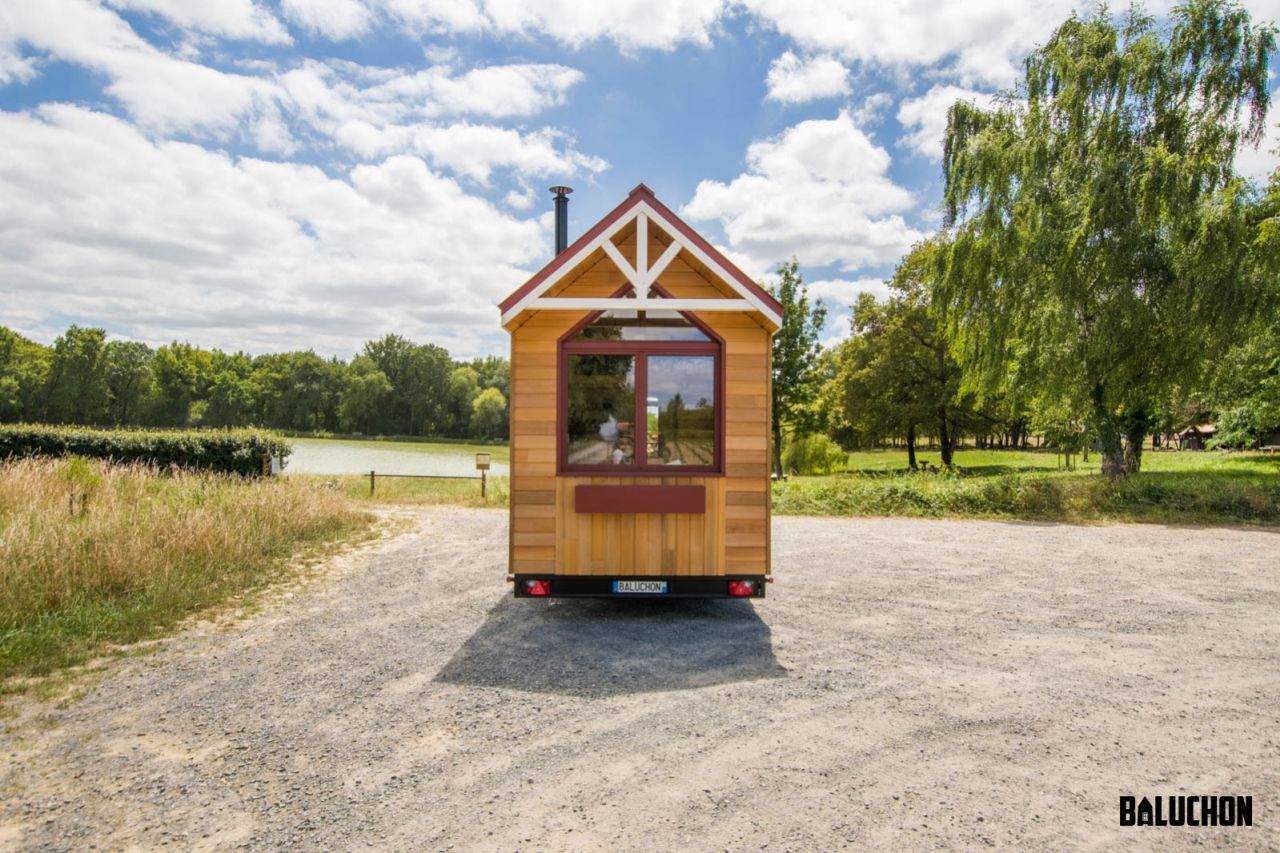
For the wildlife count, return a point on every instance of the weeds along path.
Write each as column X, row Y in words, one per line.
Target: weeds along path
column 907, row 684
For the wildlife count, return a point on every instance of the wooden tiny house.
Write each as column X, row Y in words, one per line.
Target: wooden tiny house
column 640, row 405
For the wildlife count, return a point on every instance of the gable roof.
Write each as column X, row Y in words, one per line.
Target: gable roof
column 641, row 200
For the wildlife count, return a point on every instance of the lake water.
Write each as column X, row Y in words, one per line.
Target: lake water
column 335, row 456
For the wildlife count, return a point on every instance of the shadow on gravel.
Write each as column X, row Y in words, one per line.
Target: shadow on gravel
column 584, row 647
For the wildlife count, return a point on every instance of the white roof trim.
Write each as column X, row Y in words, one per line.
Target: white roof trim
column 643, row 276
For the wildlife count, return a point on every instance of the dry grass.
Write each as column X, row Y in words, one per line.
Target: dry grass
column 92, row 554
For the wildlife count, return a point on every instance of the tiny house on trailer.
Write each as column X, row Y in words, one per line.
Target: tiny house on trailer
column 641, row 364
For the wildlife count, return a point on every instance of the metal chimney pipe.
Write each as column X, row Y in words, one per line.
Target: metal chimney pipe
column 562, row 217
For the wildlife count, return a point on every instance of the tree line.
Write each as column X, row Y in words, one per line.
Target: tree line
column 1102, row 274
column 393, row 387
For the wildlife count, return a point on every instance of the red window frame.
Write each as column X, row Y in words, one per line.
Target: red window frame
column 640, row 350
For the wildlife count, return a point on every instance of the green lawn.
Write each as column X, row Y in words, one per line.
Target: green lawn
column 986, row 463
column 1174, row 487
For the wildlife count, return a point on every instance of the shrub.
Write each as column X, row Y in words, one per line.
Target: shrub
column 1176, row 497
column 232, row 451
column 813, row 454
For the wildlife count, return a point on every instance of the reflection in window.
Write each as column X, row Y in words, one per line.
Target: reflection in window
column 680, row 407
column 601, row 413
column 641, row 326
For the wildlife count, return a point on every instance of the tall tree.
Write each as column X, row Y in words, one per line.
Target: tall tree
column 489, row 414
column 128, row 374
column 1098, row 235
column 795, row 357
column 24, row 370
column 365, row 389
column 76, row 391
column 230, row 400
column 419, row 376
column 494, row 372
column 182, row 374
column 300, row 390
column 898, row 373
column 464, row 386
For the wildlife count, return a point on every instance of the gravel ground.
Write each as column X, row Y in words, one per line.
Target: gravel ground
column 907, row 684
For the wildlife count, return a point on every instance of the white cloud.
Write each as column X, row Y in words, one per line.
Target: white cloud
column 163, row 92
column 377, row 112
column 820, row 191
column 926, row 117
column 844, row 292
column 871, row 109
column 471, row 150
column 14, row 67
column 660, row 24
column 520, row 199
column 237, row 19
column 631, row 24
column 372, row 111
column 339, row 92
column 501, row 90
column 979, row 41
column 334, row 19
column 158, row 240
column 475, row 150
column 793, row 80
column 451, row 16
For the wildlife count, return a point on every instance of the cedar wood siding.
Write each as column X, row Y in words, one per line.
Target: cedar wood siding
column 549, row 536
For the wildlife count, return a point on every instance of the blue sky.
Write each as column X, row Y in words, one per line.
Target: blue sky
column 315, row 173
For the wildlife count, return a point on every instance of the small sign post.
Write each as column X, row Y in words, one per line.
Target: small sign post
column 482, row 465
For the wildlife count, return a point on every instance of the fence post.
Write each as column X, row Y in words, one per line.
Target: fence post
column 372, row 480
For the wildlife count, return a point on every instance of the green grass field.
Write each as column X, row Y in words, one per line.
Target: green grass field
column 1204, row 487
column 985, row 463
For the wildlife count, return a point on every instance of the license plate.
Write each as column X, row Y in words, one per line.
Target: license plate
column 642, row 587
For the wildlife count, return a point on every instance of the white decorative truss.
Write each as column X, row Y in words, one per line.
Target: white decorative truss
column 643, row 275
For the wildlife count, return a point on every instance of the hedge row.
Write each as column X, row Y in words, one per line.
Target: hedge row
column 236, row 451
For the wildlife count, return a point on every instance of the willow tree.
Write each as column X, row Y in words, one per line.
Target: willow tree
column 1097, row 233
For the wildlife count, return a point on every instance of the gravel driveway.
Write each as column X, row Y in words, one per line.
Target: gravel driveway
column 907, row 684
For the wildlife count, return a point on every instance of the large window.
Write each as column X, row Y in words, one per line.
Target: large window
column 641, row 394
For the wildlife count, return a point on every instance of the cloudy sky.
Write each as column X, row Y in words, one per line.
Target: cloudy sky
column 313, row 173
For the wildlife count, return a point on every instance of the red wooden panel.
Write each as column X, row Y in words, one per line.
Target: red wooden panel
column 641, row 499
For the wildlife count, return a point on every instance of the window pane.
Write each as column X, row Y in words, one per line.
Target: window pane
column 602, row 405
column 681, row 410
column 641, row 326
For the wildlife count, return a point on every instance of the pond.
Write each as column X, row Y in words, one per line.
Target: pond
column 346, row 456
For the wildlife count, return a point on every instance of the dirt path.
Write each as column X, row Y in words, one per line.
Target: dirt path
column 907, row 684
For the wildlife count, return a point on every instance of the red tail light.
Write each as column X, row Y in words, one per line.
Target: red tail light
column 741, row 589
column 537, row 587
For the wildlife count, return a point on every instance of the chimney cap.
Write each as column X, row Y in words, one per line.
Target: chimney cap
column 560, row 190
